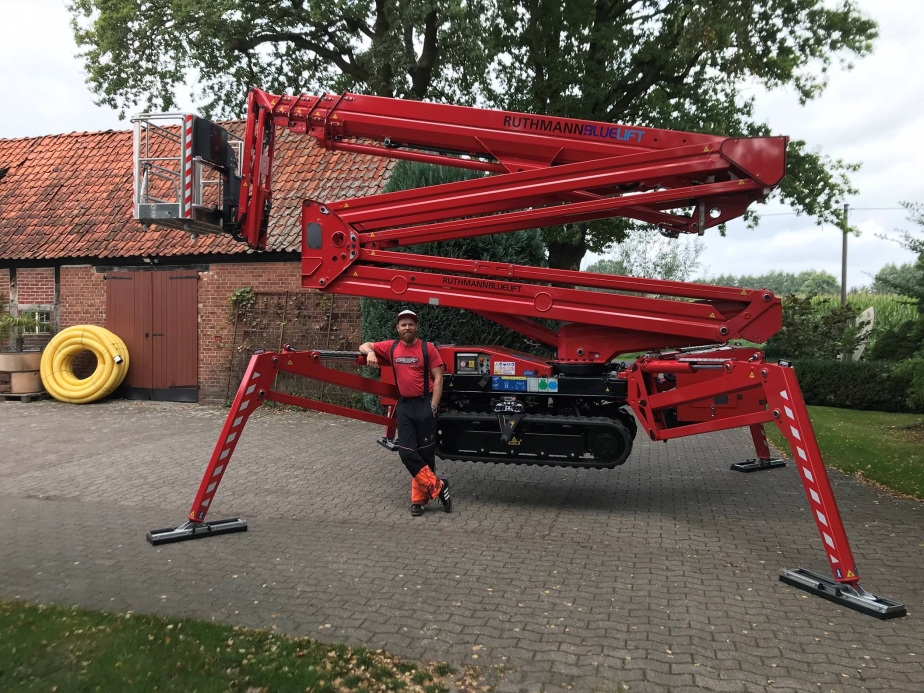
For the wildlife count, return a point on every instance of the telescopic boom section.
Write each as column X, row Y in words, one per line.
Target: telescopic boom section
column 591, row 170
column 545, row 171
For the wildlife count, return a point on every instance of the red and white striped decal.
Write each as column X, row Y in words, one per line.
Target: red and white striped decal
column 811, row 485
column 187, row 169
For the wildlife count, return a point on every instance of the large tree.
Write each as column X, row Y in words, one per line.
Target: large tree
column 679, row 64
column 138, row 52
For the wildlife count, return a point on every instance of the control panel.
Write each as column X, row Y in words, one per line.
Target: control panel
column 473, row 364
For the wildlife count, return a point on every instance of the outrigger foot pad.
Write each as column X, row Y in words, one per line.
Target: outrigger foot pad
column 195, row 530
column 758, row 465
column 855, row 598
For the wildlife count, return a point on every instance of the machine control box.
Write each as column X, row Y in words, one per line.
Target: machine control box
column 473, row 363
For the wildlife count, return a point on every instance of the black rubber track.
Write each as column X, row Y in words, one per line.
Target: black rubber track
column 617, row 425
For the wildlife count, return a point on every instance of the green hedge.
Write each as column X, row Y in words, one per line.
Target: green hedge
column 869, row 385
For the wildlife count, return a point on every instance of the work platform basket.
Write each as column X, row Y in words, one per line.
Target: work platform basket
column 186, row 172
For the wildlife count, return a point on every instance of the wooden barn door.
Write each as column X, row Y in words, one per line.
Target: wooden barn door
column 156, row 315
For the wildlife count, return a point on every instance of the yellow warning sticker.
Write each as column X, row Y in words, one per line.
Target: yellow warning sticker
column 346, row 205
column 372, row 252
column 335, row 118
column 850, row 574
column 744, row 292
column 514, row 441
column 752, row 374
column 355, row 274
column 289, row 363
column 711, row 315
column 705, row 150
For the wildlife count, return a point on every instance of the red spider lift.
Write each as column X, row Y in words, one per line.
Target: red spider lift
column 574, row 408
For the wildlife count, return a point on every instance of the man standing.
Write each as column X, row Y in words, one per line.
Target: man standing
column 418, row 370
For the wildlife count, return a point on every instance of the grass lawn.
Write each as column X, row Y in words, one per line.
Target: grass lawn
column 52, row 648
column 887, row 449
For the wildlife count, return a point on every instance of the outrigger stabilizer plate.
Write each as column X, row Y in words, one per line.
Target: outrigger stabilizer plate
column 758, row 465
column 195, row 530
column 855, row 598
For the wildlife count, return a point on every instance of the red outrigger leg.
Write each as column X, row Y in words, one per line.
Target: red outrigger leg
column 255, row 389
column 763, row 461
column 782, row 403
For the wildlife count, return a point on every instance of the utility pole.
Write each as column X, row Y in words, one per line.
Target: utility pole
column 844, row 260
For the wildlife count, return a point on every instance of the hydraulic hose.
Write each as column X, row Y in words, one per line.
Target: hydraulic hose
column 58, row 364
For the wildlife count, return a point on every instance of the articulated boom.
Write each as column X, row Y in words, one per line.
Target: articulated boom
column 580, row 408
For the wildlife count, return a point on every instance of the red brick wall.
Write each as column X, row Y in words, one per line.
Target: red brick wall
column 35, row 285
column 4, row 299
column 4, row 289
column 82, row 297
column 82, row 301
column 215, row 331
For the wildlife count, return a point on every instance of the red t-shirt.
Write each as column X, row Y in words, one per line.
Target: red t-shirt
column 409, row 364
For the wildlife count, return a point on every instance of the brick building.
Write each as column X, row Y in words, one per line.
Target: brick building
column 70, row 250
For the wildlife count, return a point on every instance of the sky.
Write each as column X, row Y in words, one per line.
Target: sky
column 871, row 114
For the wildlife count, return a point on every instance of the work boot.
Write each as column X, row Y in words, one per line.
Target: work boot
column 445, row 500
column 417, row 510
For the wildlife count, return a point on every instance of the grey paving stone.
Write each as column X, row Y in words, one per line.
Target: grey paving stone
column 568, row 577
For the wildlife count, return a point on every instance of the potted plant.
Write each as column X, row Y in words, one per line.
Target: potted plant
column 22, row 366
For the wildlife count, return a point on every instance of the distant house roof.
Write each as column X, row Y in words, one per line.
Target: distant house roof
column 70, row 196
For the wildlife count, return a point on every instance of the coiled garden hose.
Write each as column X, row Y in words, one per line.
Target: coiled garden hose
column 58, row 364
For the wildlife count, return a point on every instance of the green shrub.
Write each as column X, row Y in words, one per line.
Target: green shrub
column 869, row 385
column 915, row 369
column 898, row 343
column 451, row 325
column 814, row 331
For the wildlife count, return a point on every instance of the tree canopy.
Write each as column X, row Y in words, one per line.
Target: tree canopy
column 673, row 64
column 894, row 278
column 642, row 254
column 453, row 325
column 807, row 283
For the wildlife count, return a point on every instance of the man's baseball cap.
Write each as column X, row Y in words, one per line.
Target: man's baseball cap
column 406, row 314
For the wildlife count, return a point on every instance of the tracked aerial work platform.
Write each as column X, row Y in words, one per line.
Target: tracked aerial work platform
column 573, row 402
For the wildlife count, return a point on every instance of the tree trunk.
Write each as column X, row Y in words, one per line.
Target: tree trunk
column 566, row 254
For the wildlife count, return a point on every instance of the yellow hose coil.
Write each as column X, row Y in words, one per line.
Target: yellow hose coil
column 58, row 364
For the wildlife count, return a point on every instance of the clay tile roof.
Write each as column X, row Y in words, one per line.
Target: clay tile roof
column 70, row 196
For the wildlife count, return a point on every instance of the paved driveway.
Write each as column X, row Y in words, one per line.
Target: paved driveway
column 661, row 574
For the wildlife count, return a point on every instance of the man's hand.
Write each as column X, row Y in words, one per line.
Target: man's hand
column 372, row 360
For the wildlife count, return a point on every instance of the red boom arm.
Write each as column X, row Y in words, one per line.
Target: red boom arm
column 550, row 171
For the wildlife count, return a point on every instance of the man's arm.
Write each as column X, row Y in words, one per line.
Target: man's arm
column 367, row 349
column 437, row 373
